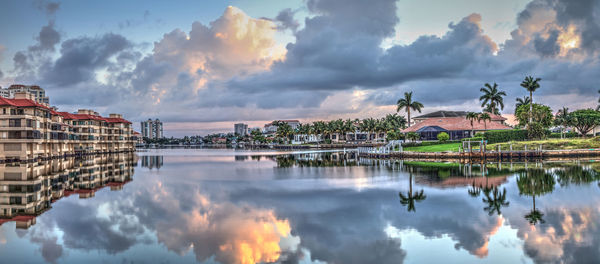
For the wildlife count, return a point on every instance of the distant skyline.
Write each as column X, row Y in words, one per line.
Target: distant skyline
column 201, row 66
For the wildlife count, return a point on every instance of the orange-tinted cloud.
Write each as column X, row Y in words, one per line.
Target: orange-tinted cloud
column 231, row 233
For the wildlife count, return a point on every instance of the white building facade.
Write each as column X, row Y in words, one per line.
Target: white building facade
column 152, row 129
column 240, row 129
column 38, row 93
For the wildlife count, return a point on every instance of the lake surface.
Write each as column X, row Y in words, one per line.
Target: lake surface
column 227, row 206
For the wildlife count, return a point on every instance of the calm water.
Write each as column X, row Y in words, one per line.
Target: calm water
column 225, row 206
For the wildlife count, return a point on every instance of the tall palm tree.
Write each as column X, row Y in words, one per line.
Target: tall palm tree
column 484, row 117
column 410, row 198
column 284, row 130
column 492, row 97
column 531, row 85
column 407, row 103
column 522, row 101
column 496, row 201
column 562, row 119
column 472, row 116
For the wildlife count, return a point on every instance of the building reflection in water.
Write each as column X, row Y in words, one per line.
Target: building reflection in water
column 29, row 189
column 152, row 162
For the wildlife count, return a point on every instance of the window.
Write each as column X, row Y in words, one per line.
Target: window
column 15, row 200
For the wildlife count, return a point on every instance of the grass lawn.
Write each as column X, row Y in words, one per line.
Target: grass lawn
column 435, row 148
column 550, row 144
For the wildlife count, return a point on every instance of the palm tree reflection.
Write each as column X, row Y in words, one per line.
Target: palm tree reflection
column 495, row 201
column 535, row 182
column 411, row 198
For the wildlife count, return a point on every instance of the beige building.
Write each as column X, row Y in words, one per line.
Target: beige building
column 31, row 131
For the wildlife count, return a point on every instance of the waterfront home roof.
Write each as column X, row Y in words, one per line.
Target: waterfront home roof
column 455, row 114
column 442, row 114
column 454, row 124
column 71, row 116
column 21, row 103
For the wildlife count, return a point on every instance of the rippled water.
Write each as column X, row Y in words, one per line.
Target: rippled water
column 226, row 206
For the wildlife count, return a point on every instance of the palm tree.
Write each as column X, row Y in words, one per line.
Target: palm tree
column 284, row 130
column 410, row 198
column 522, row 101
column 368, row 125
column 492, row 97
column 562, row 119
column 407, row 103
column 484, row 117
column 496, row 201
column 472, row 116
column 531, row 85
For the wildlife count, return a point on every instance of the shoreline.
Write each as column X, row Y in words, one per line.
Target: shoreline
column 486, row 156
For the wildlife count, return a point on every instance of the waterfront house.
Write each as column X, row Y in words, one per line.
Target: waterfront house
column 454, row 123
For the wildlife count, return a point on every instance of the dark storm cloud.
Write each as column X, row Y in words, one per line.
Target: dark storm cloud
column 27, row 62
column 48, row 7
column 328, row 61
column 47, row 39
column 81, row 57
column 584, row 13
column 285, row 19
column 547, row 46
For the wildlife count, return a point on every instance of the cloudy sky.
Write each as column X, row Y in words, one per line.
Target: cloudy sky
column 200, row 66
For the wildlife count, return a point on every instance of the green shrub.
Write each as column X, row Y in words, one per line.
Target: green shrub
column 414, row 136
column 498, row 136
column 536, row 130
column 443, row 137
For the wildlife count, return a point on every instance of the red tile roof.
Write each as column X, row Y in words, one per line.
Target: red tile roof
column 66, row 115
column 22, row 103
column 456, row 123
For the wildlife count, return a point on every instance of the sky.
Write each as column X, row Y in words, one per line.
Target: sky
column 201, row 66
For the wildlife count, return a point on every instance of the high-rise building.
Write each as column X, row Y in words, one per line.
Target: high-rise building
column 38, row 93
column 240, row 129
column 152, row 129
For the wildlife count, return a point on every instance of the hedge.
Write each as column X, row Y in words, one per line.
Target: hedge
column 566, row 135
column 497, row 136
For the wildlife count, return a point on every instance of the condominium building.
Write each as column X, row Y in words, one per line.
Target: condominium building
column 38, row 93
column 152, row 129
column 28, row 189
column 31, row 131
column 240, row 129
